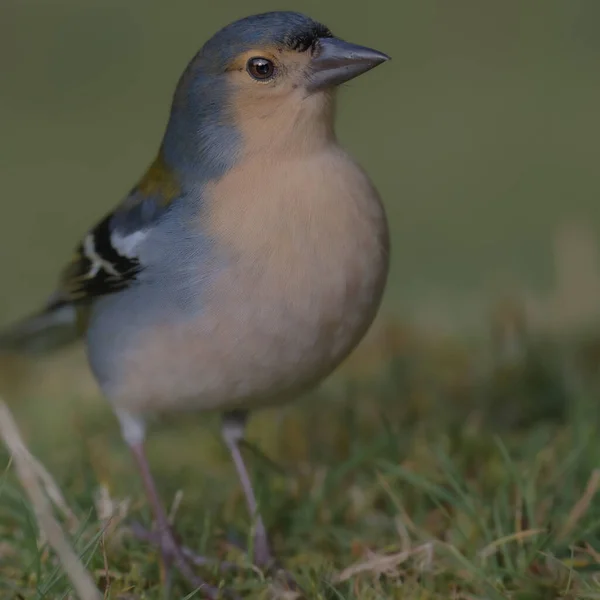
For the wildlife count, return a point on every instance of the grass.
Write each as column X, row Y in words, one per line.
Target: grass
column 424, row 470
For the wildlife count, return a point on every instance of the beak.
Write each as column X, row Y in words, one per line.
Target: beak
column 338, row 61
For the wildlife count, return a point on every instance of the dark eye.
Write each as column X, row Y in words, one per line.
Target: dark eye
column 260, row 68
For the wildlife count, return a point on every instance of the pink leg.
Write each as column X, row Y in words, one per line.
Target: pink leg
column 170, row 549
column 233, row 433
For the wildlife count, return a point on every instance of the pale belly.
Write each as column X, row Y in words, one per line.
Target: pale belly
column 261, row 337
column 291, row 295
column 245, row 349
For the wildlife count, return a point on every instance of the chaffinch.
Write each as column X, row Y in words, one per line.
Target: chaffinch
column 248, row 261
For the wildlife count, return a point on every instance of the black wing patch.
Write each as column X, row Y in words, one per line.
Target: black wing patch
column 106, row 261
column 98, row 268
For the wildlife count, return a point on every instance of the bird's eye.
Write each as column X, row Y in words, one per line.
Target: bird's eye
column 260, row 68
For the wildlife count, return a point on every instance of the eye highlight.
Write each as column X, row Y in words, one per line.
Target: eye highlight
column 260, row 68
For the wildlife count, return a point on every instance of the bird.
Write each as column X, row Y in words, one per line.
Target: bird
column 248, row 261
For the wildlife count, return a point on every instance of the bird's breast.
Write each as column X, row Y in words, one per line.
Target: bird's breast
column 303, row 254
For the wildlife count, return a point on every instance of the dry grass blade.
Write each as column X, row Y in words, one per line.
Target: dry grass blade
column 29, row 475
column 54, row 493
column 519, row 536
column 582, row 505
column 379, row 564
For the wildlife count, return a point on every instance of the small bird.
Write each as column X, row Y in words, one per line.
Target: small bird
column 249, row 260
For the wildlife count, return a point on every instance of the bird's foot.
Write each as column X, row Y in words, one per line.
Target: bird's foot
column 174, row 554
column 264, row 560
column 261, row 549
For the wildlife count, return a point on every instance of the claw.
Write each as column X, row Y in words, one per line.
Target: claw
column 272, row 567
column 140, row 532
column 180, row 557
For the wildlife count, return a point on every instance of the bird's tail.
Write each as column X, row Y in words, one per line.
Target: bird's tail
column 52, row 328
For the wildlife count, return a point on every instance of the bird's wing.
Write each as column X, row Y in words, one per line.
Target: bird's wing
column 104, row 262
column 107, row 258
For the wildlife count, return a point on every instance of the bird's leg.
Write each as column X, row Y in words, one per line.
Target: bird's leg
column 172, row 555
column 142, row 533
column 233, row 433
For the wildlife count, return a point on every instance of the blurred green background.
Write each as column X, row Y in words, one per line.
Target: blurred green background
column 483, row 137
column 481, row 134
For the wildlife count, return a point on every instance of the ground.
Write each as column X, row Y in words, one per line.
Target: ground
column 425, row 469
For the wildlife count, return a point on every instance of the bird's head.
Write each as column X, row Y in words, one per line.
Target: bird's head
column 264, row 77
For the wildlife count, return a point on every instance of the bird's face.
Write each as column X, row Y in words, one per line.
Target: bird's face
column 270, row 74
column 265, row 81
column 270, row 97
column 297, row 57
column 273, row 61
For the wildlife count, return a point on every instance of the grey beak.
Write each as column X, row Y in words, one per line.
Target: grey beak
column 338, row 61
